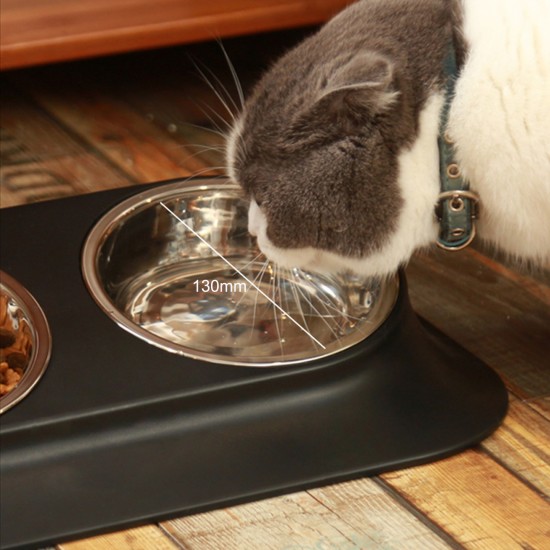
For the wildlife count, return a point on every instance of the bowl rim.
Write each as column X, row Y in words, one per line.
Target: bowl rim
column 42, row 341
column 107, row 223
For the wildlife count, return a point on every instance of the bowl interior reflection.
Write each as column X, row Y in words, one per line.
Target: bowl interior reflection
column 177, row 267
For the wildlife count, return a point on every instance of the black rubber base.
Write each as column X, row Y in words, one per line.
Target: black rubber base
column 119, row 432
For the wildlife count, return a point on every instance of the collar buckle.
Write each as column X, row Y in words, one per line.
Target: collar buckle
column 456, row 211
column 457, row 206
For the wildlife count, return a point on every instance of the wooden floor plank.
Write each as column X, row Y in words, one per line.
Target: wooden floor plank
column 542, row 406
column 94, row 101
column 494, row 317
column 126, row 138
column 40, row 160
column 28, row 133
column 361, row 516
column 291, row 521
column 57, row 178
column 479, row 503
column 522, row 444
column 373, row 515
column 177, row 113
column 148, row 537
column 537, row 282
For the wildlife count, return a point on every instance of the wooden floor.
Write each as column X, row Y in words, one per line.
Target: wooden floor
column 112, row 122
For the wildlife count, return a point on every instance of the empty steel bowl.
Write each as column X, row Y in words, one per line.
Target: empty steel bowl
column 25, row 342
column 176, row 266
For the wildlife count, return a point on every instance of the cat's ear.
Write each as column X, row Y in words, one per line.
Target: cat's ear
column 364, row 82
column 351, row 92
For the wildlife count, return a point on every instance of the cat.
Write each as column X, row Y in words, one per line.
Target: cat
column 337, row 145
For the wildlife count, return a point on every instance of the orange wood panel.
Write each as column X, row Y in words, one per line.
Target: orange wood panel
column 42, row 31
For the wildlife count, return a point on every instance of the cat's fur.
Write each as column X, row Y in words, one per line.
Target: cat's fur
column 337, row 146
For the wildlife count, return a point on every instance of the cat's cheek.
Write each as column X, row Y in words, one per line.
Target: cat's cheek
column 284, row 257
column 287, row 257
column 256, row 220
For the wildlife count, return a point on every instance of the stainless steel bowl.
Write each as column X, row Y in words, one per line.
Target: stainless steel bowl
column 25, row 342
column 175, row 266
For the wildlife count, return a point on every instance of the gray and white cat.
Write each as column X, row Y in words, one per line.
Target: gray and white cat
column 337, row 146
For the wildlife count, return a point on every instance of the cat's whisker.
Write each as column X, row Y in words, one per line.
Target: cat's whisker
column 200, row 172
column 298, row 292
column 230, row 99
column 328, row 302
column 344, row 314
column 202, row 151
column 212, row 149
column 285, row 303
column 273, row 302
column 329, row 305
column 204, row 107
column 217, row 93
column 251, row 261
column 298, row 302
column 258, row 278
column 236, row 79
column 223, row 94
column 206, row 170
column 275, row 311
column 262, row 272
column 206, row 129
column 334, row 315
column 269, row 270
column 203, row 147
column 226, row 93
column 242, row 269
column 317, row 312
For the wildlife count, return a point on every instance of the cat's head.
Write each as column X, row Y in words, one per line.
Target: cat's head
column 322, row 148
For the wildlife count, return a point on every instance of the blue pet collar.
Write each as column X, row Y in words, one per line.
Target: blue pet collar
column 457, row 206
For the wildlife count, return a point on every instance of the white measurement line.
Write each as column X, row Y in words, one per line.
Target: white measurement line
column 186, row 225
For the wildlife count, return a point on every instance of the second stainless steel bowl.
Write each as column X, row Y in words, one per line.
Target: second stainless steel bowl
column 25, row 342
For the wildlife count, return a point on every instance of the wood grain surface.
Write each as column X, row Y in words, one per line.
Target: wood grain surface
column 86, row 126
